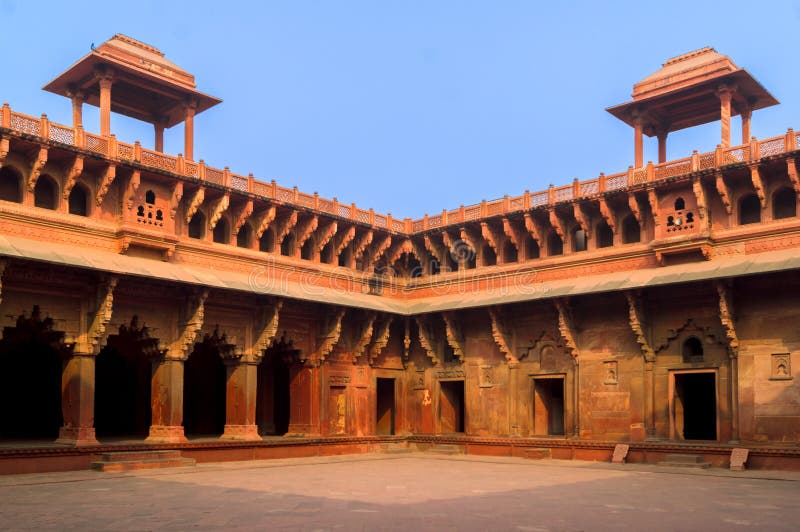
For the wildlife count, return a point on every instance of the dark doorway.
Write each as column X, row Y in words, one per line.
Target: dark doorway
column 273, row 397
column 451, row 406
column 696, row 406
column 548, row 406
column 385, row 398
column 204, row 391
column 122, row 395
column 30, row 389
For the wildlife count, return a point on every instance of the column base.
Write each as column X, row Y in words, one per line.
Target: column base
column 166, row 434
column 241, row 432
column 77, row 436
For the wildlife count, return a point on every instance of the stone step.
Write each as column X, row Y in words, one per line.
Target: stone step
column 395, row 448
column 135, row 460
column 685, row 460
column 537, row 453
column 446, row 449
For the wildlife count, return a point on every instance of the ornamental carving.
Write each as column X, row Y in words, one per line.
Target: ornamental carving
column 71, row 175
column 454, row 335
column 105, row 182
column 636, row 321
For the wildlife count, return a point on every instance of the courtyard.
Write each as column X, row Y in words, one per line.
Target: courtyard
column 404, row 492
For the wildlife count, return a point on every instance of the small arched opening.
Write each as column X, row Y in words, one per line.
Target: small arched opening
column 692, row 350
column 749, row 210
column 510, row 253
column 244, row 237
column 197, row 226
column 287, row 246
column 605, row 236
column 580, row 240
column 555, row 246
column 631, row 230
column 45, row 193
column 784, row 203
column 680, row 204
column 267, row 241
column 79, row 201
column 531, row 248
column 10, row 185
column 221, row 233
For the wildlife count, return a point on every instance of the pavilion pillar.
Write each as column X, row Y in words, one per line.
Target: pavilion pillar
column 662, row 146
column 734, row 397
column 746, row 112
column 105, row 81
column 158, row 127
column 77, row 400
column 240, row 400
column 305, row 390
column 576, row 400
column 649, row 398
column 77, row 97
column 638, row 144
column 188, row 130
column 167, row 401
column 725, row 93
column 513, row 398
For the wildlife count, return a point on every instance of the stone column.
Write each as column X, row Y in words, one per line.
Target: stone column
column 240, row 400
column 662, row 146
column 734, row 397
column 725, row 93
column 649, row 399
column 305, row 390
column 158, row 126
column 576, row 400
column 513, row 398
column 746, row 113
column 638, row 144
column 77, row 97
column 188, row 131
column 77, row 400
column 167, row 401
column 105, row 81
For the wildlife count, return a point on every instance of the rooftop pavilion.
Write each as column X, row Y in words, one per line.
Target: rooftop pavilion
column 690, row 90
column 146, row 86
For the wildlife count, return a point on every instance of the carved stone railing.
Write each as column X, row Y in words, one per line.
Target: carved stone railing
column 633, row 177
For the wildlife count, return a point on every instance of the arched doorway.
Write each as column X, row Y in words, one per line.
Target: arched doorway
column 273, row 398
column 31, row 354
column 123, row 373
column 204, row 384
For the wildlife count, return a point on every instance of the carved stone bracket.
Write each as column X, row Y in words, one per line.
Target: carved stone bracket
column 130, row 190
column 194, row 202
column 241, row 216
column 380, row 339
column 502, row 334
column 407, row 342
column 331, row 331
column 5, row 147
column 534, row 229
column 652, row 198
column 267, row 328
column 494, row 238
column 325, row 234
column 104, row 303
column 175, row 199
column 36, row 167
column 343, row 239
column 217, row 209
column 700, row 195
column 454, row 334
column 581, row 219
column 608, row 214
column 515, row 234
column 396, row 251
column 555, row 223
column 364, row 336
column 633, row 205
column 378, row 249
column 194, row 313
column 440, row 252
column 566, row 329
column 791, row 169
column 361, row 243
column 105, row 183
column 285, row 226
column 262, row 220
column 723, row 191
column 427, row 338
column 755, row 177
column 71, row 175
column 726, row 316
column 636, row 321
column 305, row 229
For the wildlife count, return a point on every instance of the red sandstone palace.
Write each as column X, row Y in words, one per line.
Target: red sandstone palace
column 153, row 302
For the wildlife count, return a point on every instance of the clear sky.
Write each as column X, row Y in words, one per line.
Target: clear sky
column 409, row 106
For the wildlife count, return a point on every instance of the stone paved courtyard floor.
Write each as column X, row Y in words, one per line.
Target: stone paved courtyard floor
column 406, row 492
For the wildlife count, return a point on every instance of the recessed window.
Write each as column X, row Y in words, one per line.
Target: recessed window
column 150, row 197
column 605, row 236
column 631, row 231
column 221, row 232
column 45, row 193
column 555, row 246
column 784, row 203
column 692, row 350
column 749, row 210
column 197, row 226
column 579, row 239
column 243, row 237
column 680, row 204
column 10, row 189
column 78, row 201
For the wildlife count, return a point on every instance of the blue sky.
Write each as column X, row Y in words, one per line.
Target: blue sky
column 409, row 106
